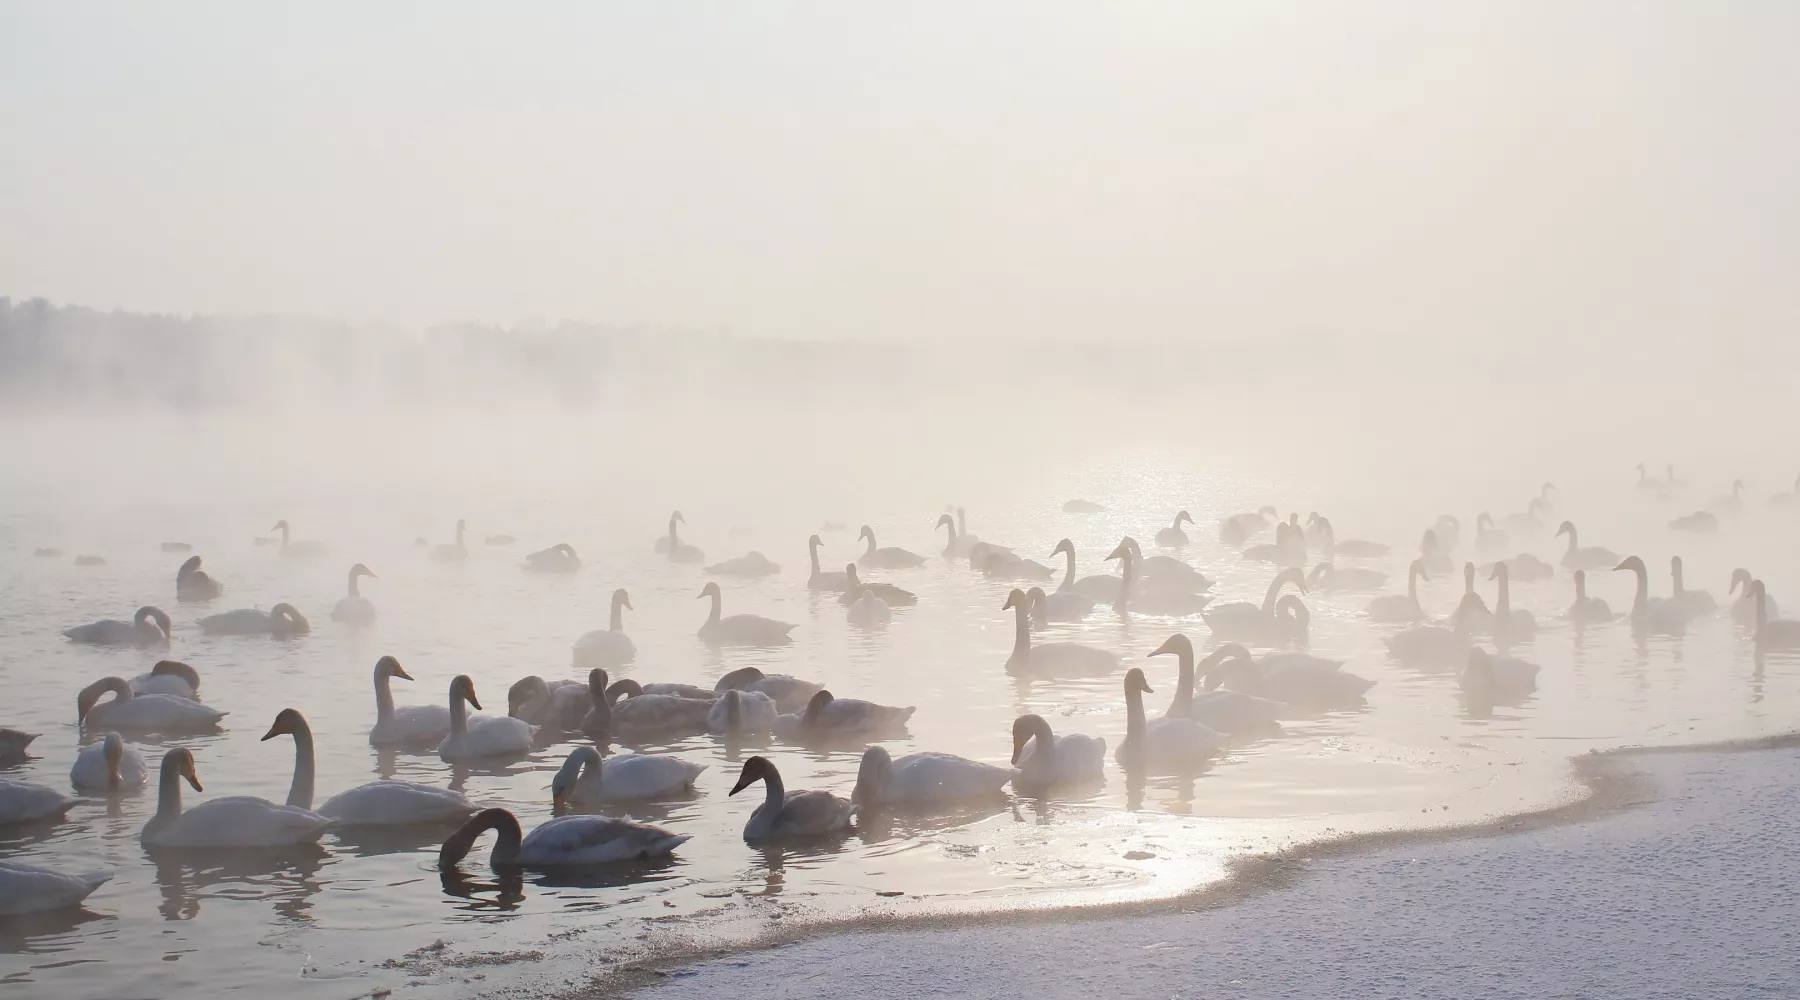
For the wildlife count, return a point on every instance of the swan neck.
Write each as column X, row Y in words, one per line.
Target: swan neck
column 459, row 715
column 713, row 619
column 1183, row 704
column 508, row 836
column 384, row 697
column 1503, row 603
column 1412, row 584
column 1642, row 597
column 774, row 792
column 1069, row 572
column 616, row 621
column 300, row 793
column 812, row 550
column 1021, row 631
column 1134, row 717
column 168, row 795
column 1268, row 605
column 354, row 592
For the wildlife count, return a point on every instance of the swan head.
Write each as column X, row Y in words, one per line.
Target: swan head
column 1499, row 571
column 148, row 613
column 1632, row 563
column 1178, row 644
column 288, row 722
column 463, row 689
column 1484, row 520
column 1740, row 577
column 738, row 679
column 943, row 521
column 180, row 762
column 360, row 570
column 1122, row 551
column 1231, row 660
column 755, row 769
column 389, row 666
column 850, row 576
column 710, row 590
column 1026, row 728
column 1063, row 546
column 872, row 774
column 814, row 541
column 816, row 704
column 1182, row 515
column 1016, row 599
column 457, row 845
column 113, row 750
column 1565, row 528
column 281, row 525
column 1312, row 518
column 523, row 691
column 1135, row 683
column 866, row 532
column 190, row 565
column 176, row 668
column 623, row 599
column 579, row 760
column 676, row 518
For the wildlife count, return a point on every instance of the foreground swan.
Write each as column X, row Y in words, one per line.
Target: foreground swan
column 376, row 803
column 586, row 778
column 753, row 564
column 677, row 550
column 820, row 580
column 868, row 611
column 1576, row 557
column 791, row 694
column 785, row 814
column 1246, row 622
column 31, row 889
column 192, row 583
column 1169, row 742
column 885, row 558
column 563, row 842
column 741, row 713
column 411, row 724
column 1492, row 678
column 741, row 630
column 150, row 713
column 1690, row 602
column 299, row 550
column 1401, row 609
column 235, row 821
column 171, row 677
column 1743, row 610
column 558, row 558
column 1651, row 615
column 1224, row 711
column 282, row 619
column 455, row 551
column 924, row 778
column 24, row 802
column 355, row 609
column 1046, row 760
column 1772, row 633
column 149, row 627
column 825, row 715
column 1172, row 536
column 1587, row 610
column 1050, row 659
column 609, row 647
column 109, row 766
column 482, row 736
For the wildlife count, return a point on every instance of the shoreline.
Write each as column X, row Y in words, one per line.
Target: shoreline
column 1609, row 785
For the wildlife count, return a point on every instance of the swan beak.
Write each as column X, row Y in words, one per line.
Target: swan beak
column 1168, row 646
column 556, row 801
column 273, row 732
column 187, row 771
column 744, row 782
column 400, row 672
column 1623, row 565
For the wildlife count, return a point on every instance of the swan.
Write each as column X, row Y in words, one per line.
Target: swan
column 677, row 689
column 455, row 551
column 24, row 802
column 13, row 743
column 958, row 545
column 1437, row 645
column 1487, row 536
column 868, row 610
column 1491, row 677
column 482, row 736
column 888, row 558
column 739, row 630
column 149, row 627
column 558, row 558
column 1398, row 608
column 1069, row 604
column 1163, row 572
column 1700, row 522
column 1509, row 622
column 560, row 705
column 376, row 803
column 1288, row 548
column 1297, row 680
column 563, row 842
column 1651, row 615
column 672, row 546
column 1242, row 620
column 412, row 724
column 299, row 550
column 1224, row 711
column 624, row 707
column 1528, row 522
column 1354, row 548
column 1576, row 557
column 1292, row 622
column 1772, row 633
column 171, row 677
column 32, row 889
column 790, row 693
column 1173, row 602
column 819, row 580
column 152, row 712
column 1730, row 503
column 1473, row 614
column 1240, row 528
column 1743, row 610
column 1082, row 507
column 1787, row 501
column 1045, row 759
column 790, row 814
column 891, row 595
column 1333, row 580
column 828, row 716
column 586, row 778
column 1587, row 609
column 753, row 564
column 1173, row 537
column 1050, row 659
column 109, row 765
column 924, row 778
column 192, row 583
column 1646, row 483
column 1435, row 558
column 1163, row 742
column 1001, row 564
column 1525, row 567
column 741, row 713
column 282, row 619
column 608, row 647
column 1691, row 602
column 355, row 609
column 235, row 821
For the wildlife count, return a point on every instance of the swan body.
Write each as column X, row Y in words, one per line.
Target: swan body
column 1509, row 622
column 924, row 778
column 791, row 694
column 741, row 713
column 1576, row 557
column 1401, row 609
column 1244, row 622
column 24, row 802
column 784, row 814
column 1437, row 645
column 832, row 582
column 1353, row 548
column 1787, row 501
column 1651, row 615
column 355, row 609
column 1240, row 528
column 1743, row 610
column 1069, row 604
column 609, row 647
column 109, row 766
column 149, row 627
column 1046, row 760
column 1160, row 596
column 869, row 611
column 1692, row 603
column 559, row 705
column 752, row 564
column 826, row 716
column 564, row 842
column 558, row 558
column 586, row 778
column 148, row 713
column 633, row 710
column 1173, row 537
column 299, row 550
column 1772, row 633
column 888, row 558
column 889, row 594
column 1700, row 522
column 1166, row 742
column 1291, row 680
column 482, row 736
column 170, row 677
column 410, row 724
column 376, row 803
column 282, row 619
column 235, row 821
column 960, row 543
column 1333, row 579
column 1587, row 610
column 32, row 889
column 1050, row 659
column 1491, row 676
column 455, row 551
column 1224, row 711
column 740, row 630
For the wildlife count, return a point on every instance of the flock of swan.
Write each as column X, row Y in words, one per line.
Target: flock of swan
column 1225, row 697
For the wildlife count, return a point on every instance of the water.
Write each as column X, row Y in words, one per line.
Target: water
column 356, row 915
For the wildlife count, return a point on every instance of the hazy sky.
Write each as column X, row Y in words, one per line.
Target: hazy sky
column 829, row 169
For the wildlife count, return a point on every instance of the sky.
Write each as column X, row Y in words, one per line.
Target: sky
column 1177, row 171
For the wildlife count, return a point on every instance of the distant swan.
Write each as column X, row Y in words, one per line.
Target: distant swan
column 610, row 646
column 1295, row 679
column 1332, row 579
column 1646, row 483
column 282, row 619
column 1224, row 711
column 149, row 627
column 1487, row 536
column 558, row 558
column 456, row 551
column 625, row 708
column 1730, row 503
column 1691, row 602
column 740, row 630
column 1068, row 604
column 1743, row 610
column 1576, row 557
column 1434, row 557
column 1587, row 609
column 161, row 713
column 1491, row 677
column 752, row 564
column 235, row 821
column 1772, row 633
column 1353, row 548
column 560, row 706
column 171, row 677
column 1050, row 659
column 889, row 594
column 355, row 609
column 1401, row 609
column 1243, row 621
column 1159, row 597
column 888, row 558
column 784, row 814
column 1700, row 522
column 563, row 842
column 1787, row 501
column 412, row 724
column 677, row 550
column 1240, row 528
column 1082, row 507
column 586, row 778
column 376, row 803
column 109, row 766
column 1509, row 622
column 833, row 582
column 958, row 545
column 1651, row 615
column 482, row 736
column 192, row 583
column 1173, row 536
column 299, row 550
column 1045, row 759
column 1528, row 522
column 868, row 610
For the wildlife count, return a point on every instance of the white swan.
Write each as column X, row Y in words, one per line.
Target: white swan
column 456, row 551
column 608, row 647
column 739, row 630
column 1003, row 564
column 171, row 677
column 1487, row 536
column 1437, row 645
column 1692, row 603
column 1172, row 536
column 1730, row 503
column 375, row 803
column 1587, row 609
column 558, row 558
column 888, row 558
column 1436, row 560
column 1490, row 677
column 820, row 580
column 109, row 766
column 958, row 545
column 784, row 814
column 623, row 707
column 1646, row 483
column 1248, row 622
column 1401, row 609
column 1509, row 622
column 1743, row 610
column 924, row 778
column 1528, row 522
column 482, row 736
column 1240, row 528
column 890, row 595
column 299, row 550
column 1353, row 548
column 282, row 619
column 1651, row 615
column 1344, row 580
column 586, row 778
column 355, row 609
column 869, row 611
column 825, row 715
column 235, row 821
column 24, row 802
column 149, row 627
column 1050, row 659
column 1294, row 679
column 1169, row 587
column 32, row 889
column 1700, row 522
column 1472, row 613
column 559, row 705
column 1576, row 557
column 1045, row 759
column 677, row 550
column 1787, row 501
column 753, row 564
column 1772, row 633
column 1224, row 711
column 790, row 693
column 1166, row 742
column 150, row 713
column 741, row 713
column 192, row 583
column 412, row 724
column 1068, row 604
column 1288, row 548
column 564, row 842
